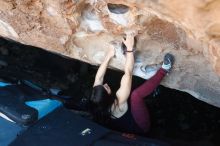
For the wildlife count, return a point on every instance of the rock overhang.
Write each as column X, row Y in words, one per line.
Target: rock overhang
column 83, row 29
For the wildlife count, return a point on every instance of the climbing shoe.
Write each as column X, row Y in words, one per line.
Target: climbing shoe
column 168, row 62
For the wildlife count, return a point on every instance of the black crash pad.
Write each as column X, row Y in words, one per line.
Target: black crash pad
column 65, row 128
column 8, row 131
column 61, row 128
column 12, row 103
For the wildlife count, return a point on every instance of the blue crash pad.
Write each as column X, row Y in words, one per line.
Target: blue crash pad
column 44, row 107
column 2, row 84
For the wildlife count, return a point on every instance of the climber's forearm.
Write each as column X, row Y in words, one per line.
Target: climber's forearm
column 101, row 71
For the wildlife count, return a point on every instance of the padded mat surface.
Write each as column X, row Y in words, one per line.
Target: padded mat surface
column 8, row 131
column 12, row 104
column 61, row 128
column 25, row 105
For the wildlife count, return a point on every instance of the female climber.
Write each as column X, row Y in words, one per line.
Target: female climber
column 125, row 111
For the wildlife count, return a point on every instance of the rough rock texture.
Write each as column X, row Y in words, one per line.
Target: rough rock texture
column 83, row 29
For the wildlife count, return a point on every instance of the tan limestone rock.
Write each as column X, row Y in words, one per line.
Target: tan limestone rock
column 83, row 29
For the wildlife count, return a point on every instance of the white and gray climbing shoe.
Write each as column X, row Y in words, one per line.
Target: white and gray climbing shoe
column 168, row 62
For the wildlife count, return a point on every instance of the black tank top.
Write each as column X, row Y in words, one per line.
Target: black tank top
column 125, row 123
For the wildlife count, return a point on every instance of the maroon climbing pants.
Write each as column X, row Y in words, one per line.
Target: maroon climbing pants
column 139, row 109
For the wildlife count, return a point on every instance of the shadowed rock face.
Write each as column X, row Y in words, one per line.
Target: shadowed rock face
column 83, row 29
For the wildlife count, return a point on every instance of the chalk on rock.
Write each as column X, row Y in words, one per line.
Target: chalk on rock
column 145, row 71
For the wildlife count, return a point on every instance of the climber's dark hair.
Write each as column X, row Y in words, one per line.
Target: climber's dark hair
column 100, row 104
